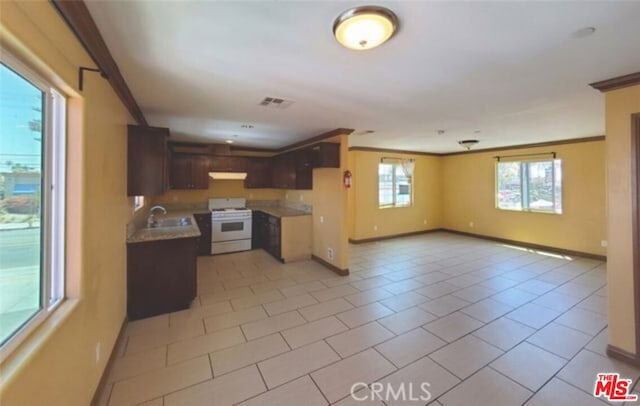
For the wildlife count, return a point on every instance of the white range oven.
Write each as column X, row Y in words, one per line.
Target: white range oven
column 230, row 225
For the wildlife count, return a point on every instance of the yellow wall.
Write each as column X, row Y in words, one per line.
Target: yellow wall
column 219, row 189
column 299, row 196
column 234, row 188
column 469, row 196
column 620, row 104
column 364, row 211
column 351, row 197
column 56, row 365
column 330, row 204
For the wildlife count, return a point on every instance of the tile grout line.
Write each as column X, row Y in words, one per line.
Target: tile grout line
column 555, row 375
column 469, row 271
column 318, row 386
column 263, row 381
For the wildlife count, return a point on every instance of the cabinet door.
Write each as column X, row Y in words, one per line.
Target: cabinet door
column 189, row 171
column 237, row 164
column 326, row 155
column 258, row 173
column 218, row 163
column 304, row 179
column 259, row 226
column 303, row 159
column 146, row 161
column 200, row 172
column 161, row 277
column 204, row 224
column 284, row 175
column 228, row 164
column 180, row 172
column 274, row 236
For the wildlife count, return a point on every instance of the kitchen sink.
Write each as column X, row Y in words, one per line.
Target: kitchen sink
column 171, row 222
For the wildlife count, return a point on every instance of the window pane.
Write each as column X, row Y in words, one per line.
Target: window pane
column 138, row 202
column 557, row 190
column 385, row 184
column 21, row 163
column 540, row 185
column 509, row 186
column 403, row 187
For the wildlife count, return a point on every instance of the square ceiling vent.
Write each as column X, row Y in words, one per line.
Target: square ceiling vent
column 275, row 103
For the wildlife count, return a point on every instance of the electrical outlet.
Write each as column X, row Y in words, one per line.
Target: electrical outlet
column 471, row 224
column 604, row 243
column 330, row 254
column 301, row 198
column 98, row 350
column 375, row 228
column 321, row 219
column 286, row 196
column 425, row 221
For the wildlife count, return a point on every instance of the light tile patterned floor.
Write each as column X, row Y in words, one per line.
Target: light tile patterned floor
column 481, row 322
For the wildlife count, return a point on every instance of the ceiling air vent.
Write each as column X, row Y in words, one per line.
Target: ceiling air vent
column 363, row 132
column 275, row 103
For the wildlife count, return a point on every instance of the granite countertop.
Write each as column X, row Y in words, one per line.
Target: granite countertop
column 166, row 233
column 282, row 211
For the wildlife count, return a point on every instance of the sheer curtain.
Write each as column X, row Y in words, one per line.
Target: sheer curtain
column 408, row 166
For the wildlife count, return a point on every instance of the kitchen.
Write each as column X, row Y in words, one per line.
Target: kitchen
column 282, row 227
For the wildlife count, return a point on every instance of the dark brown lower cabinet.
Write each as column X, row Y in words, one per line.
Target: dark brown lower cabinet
column 161, row 276
column 204, row 224
column 266, row 233
column 259, row 230
column 274, row 245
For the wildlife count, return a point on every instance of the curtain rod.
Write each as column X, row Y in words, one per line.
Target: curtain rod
column 498, row 157
column 399, row 159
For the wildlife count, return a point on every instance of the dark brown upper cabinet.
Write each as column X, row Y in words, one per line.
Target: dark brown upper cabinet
column 283, row 172
column 190, row 164
column 303, row 159
column 228, row 164
column 326, row 155
column 199, row 149
column 189, row 171
column 258, row 173
column 147, row 161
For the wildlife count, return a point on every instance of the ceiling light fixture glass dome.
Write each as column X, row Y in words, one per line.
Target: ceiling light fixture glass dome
column 467, row 143
column 365, row 27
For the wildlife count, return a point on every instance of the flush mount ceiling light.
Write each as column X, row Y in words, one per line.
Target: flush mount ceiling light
column 467, row 143
column 583, row 32
column 365, row 27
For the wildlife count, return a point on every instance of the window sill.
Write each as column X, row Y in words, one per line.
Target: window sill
column 19, row 357
column 529, row 211
column 395, row 207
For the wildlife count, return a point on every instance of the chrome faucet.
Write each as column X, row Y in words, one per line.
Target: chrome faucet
column 151, row 220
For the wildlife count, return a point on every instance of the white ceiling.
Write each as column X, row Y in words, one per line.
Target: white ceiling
column 512, row 70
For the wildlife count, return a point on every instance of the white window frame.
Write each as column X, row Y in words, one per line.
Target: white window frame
column 394, row 204
column 53, row 198
column 524, row 186
column 138, row 203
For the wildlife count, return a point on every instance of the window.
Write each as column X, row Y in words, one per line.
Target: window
column 394, row 186
column 138, row 203
column 530, row 186
column 32, row 191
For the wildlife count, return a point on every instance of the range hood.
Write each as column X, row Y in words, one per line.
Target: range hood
column 228, row 175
